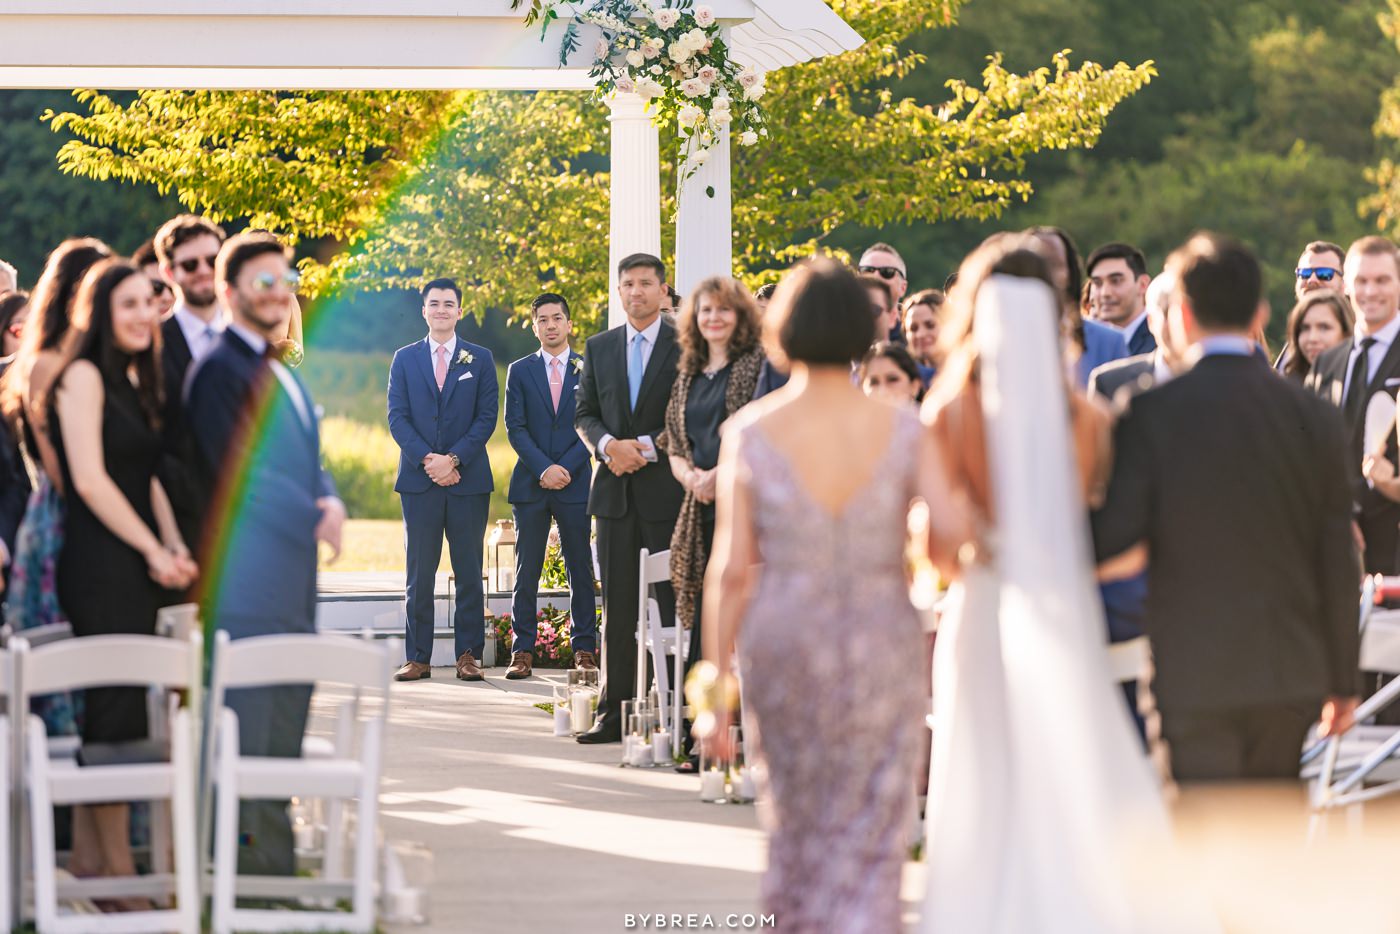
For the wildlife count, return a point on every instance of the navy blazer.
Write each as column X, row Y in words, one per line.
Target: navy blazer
column 1103, row 343
column 267, row 508
column 541, row 436
column 458, row 420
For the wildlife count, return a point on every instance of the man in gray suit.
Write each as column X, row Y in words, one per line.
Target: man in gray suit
column 1119, row 380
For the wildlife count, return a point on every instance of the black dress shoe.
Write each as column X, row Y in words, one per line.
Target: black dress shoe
column 606, row 730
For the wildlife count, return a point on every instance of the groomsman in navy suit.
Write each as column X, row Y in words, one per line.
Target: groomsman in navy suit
column 443, row 399
column 550, row 481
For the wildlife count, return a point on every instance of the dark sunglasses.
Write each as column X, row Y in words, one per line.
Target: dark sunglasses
column 191, row 264
column 1322, row 273
column 884, row 272
column 160, row 285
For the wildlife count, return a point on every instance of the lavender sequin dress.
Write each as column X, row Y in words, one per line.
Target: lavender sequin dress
column 831, row 654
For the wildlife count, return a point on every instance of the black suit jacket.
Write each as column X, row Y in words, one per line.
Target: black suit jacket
column 1131, row 375
column 602, row 407
column 1327, row 379
column 263, row 466
column 1238, row 482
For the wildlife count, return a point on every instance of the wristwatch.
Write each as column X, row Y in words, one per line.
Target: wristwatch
column 456, row 461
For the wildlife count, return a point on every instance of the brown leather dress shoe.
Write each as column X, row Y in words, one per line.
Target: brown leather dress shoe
column 521, row 665
column 467, row 668
column 585, row 661
column 413, row 671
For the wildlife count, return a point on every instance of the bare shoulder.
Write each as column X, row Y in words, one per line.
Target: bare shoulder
column 81, row 376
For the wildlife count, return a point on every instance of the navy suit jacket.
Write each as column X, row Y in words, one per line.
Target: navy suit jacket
column 262, row 470
column 541, row 436
column 1103, row 343
column 458, row 420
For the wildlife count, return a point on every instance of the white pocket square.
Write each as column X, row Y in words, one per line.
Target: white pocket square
column 1392, row 383
column 464, row 376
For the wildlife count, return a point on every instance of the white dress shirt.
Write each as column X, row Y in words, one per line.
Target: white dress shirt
column 200, row 335
column 649, row 335
column 1384, row 338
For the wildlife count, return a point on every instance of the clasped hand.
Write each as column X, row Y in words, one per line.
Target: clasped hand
column 625, row 456
column 702, row 484
column 440, row 470
column 555, row 478
column 172, row 567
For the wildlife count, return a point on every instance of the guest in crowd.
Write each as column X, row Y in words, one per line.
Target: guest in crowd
column 9, row 277
column 716, row 376
column 921, row 313
column 256, row 431
column 1350, row 373
column 1319, row 267
column 14, row 479
column 883, row 304
column 120, row 541
column 549, row 482
column 1276, row 581
column 187, row 246
column 811, row 480
column 888, row 373
column 622, row 397
column 148, row 262
column 1092, row 343
column 883, row 260
column 1118, row 381
column 762, row 296
column 32, row 596
column 1118, row 280
column 14, row 311
column 443, row 398
column 1321, row 320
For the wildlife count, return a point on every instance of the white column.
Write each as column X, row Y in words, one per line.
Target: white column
column 635, row 191
column 704, row 222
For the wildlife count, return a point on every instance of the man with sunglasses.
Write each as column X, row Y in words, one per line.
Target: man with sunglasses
column 255, row 426
column 145, row 258
column 883, row 260
column 1320, row 267
column 186, row 247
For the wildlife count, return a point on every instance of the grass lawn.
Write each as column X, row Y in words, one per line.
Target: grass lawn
column 373, row 545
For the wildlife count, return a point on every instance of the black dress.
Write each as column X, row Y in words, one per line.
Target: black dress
column 103, row 583
column 704, row 413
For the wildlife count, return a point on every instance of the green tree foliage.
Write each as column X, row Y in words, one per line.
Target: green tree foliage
column 1260, row 124
column 511, row 189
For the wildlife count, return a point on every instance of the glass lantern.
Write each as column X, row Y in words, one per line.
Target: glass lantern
column 500, row 557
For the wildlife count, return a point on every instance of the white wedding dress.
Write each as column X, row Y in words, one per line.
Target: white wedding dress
column 1044, row 815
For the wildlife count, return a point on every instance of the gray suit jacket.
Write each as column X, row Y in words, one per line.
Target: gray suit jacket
column 1130, row 375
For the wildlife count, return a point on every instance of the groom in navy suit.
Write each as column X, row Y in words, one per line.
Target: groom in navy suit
column 550, row 481
column 443, row 399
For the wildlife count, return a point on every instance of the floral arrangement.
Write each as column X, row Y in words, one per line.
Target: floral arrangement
column 552, row 646
column 674, row 57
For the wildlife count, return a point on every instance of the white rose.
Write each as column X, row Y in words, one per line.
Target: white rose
column 694, row 87
column 704, row 16
column 689, row 115
column 648, row 89
column 666, row 18
column 625, row 85
column 748, row 138
column 750, row 76
column 721, row 103
column 755, row 92
column 700, row 156
column 651, row 48
column 636, row 59
column 696, row 39
column 601, row 50
column 655, row 69
column 679, row 52
column 720, row 119
column 709, row 74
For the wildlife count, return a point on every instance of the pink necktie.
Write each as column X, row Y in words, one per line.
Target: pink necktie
column 556, row 382
column 440, row 369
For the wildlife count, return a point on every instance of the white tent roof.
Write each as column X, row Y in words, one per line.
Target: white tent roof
column 315, row 44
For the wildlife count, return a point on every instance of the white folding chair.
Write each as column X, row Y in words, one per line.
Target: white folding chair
column 110, row 661
column 660, row 641
column 353, row 773
column 1367, row 757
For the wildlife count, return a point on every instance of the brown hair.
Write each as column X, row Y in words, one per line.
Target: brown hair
column 1012, row 254
column 820, row 315
column 1374, row 245
column 1221, row 279
column 933, row 298
column 1325, row 246
column 1297, row 365
column 181, row 229
column 728, row 293
column 244, row 247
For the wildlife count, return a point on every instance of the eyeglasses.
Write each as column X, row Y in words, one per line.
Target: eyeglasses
column 884, row 272
column 1322, row 273
column 160, row 285
column 191, row 264
column 266, row 281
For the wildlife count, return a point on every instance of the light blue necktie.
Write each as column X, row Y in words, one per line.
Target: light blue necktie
column 634, row 369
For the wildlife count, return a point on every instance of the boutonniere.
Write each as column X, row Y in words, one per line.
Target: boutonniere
column 578, row 364
column 465, row 356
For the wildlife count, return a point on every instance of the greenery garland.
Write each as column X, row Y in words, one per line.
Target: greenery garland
column 673, row 57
